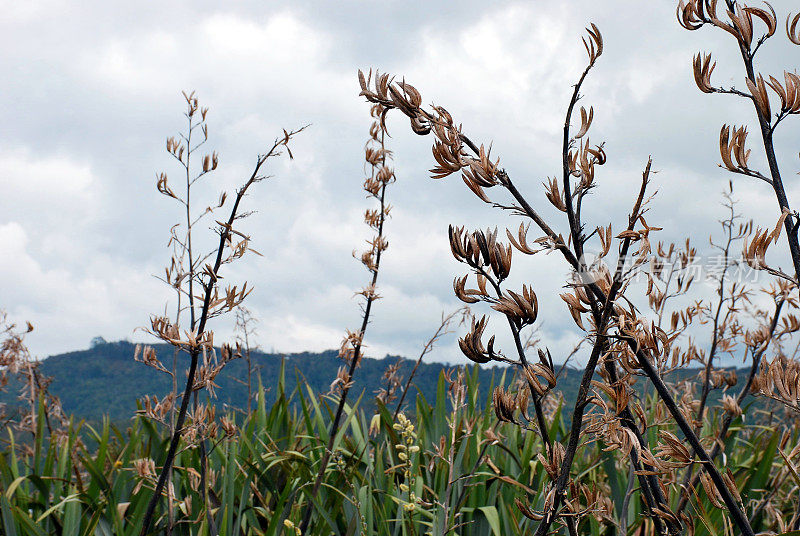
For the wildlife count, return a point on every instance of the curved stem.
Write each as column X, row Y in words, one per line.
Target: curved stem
column 354, row 359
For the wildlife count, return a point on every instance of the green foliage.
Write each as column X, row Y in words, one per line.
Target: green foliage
column 455, row 470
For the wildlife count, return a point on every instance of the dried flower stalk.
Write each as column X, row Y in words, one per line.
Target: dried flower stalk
column 351, row 351
column 210, row 302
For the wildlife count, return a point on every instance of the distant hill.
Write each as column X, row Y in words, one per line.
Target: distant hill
column 105, row 380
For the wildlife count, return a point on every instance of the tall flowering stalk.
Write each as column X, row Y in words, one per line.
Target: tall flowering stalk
column 196, row 278
column 16, row 361
column 744, row 23
column 351, row 350
column 626, row 345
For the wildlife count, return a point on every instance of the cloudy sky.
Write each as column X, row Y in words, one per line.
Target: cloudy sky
column 92, row 89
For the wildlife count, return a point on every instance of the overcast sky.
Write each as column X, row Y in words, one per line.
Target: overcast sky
column 91, row 90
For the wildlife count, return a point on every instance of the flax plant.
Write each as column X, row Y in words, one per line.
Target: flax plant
column 181, row 274
column 351, row 350
column 245, row 333
column 196, row 279
column 17, row 362
column 625, row 344
column 744, row 23
column 491, row 261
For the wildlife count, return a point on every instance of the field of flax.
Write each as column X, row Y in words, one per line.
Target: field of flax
column 632, row 453
column 449, row 468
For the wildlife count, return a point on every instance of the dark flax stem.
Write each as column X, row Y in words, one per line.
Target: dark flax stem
column 575, row 225
column 523, row 360
column 194, row 351
column 353, row 363
column 790, row 223
column 588, row 373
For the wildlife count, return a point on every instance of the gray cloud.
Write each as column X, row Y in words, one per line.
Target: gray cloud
column 92, row 90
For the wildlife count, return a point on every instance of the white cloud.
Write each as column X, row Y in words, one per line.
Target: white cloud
column 69, row 307
column 95, row 89
column 29, row 179
column 283, row 40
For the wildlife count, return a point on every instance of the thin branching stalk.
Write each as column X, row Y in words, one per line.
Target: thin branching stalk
column 692, row 480
column 198, row 339
column 442, row 330
column 246, row 331
column 716, row 335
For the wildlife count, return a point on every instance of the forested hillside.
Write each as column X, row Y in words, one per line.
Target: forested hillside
column 105, row 380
